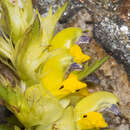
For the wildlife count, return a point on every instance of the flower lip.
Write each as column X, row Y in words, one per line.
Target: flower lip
column 72, row 84
column 92, row 120
column 78, row 55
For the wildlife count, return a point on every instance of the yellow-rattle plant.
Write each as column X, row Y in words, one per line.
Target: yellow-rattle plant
column 42, row 99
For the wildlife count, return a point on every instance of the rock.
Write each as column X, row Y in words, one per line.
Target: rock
column 123, row 127
column 43, row 6
column 113, row 34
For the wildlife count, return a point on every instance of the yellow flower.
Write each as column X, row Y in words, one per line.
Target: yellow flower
column 83, row 92
column 78, row 55
column 92, row 120
column 70, row 85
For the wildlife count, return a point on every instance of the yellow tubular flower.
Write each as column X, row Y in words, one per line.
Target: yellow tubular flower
column 92, row 120
column 71, row 85
column 83, row 92
column 78, row 55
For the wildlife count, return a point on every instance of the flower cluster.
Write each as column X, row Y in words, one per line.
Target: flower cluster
column 47, row 95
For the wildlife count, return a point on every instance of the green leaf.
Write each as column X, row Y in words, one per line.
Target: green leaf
column 27, row 10
column 16, row 24
column 6, row 52
column 49, row 22
column 41, row 105
column 66, row 122
column 32, row 106
column 9, row 95
column 6, row 49
column 90, row 69
column 30, row 53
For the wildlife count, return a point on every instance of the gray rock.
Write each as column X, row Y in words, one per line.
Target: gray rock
column 114, row 35
column 123, row 127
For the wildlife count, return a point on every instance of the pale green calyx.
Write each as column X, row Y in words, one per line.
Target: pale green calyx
column 16, row 17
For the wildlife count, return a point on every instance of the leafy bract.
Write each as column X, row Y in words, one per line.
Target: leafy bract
column 31, row 107
column 31, row 53
column 66, row 122
column 15, row 19
column 41, row 104
column 32, row 50
column 49, row 22
column 5, row 48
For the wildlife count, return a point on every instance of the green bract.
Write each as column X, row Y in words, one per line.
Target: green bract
column 31, row 107
column 15, row 19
